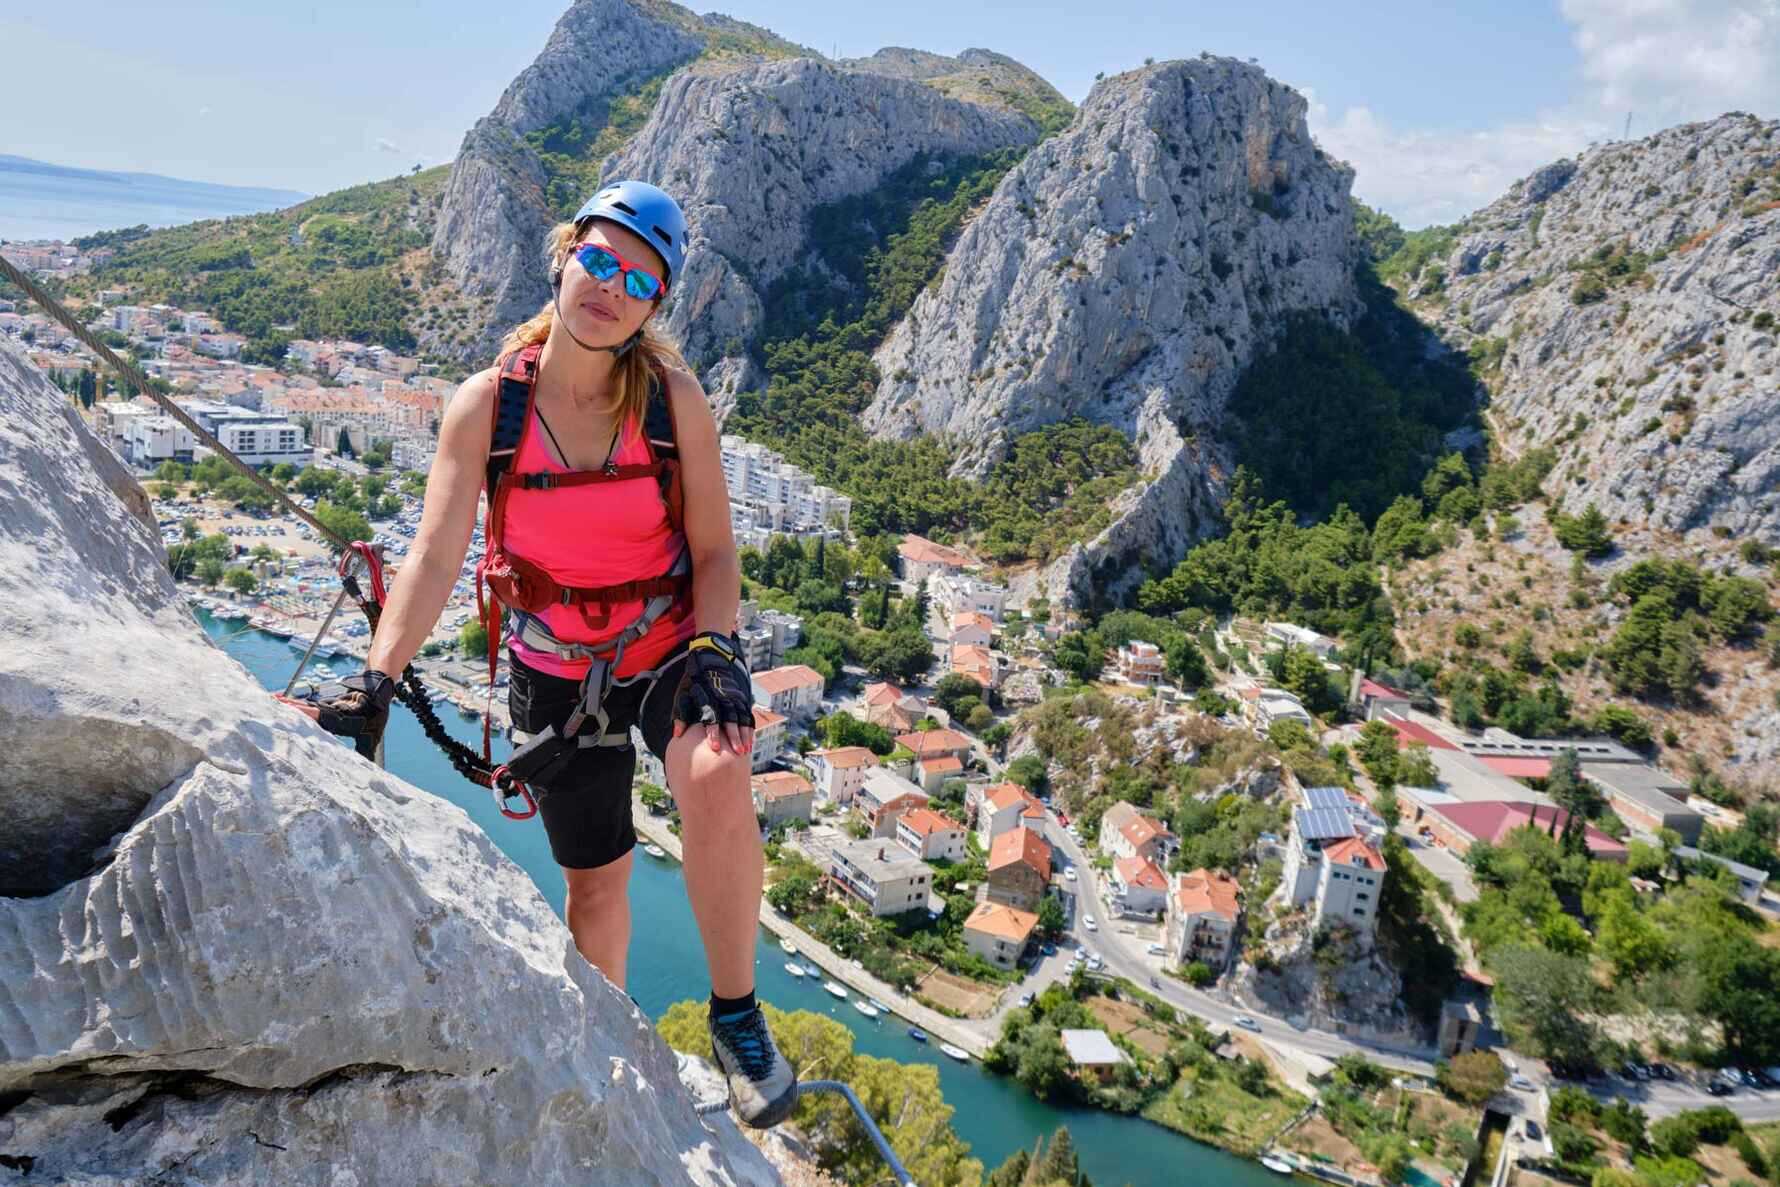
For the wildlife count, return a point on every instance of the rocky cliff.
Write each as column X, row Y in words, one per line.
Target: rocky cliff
column 1126, row 271
column 749, row 143
column 1626, row 303
column 751, row 150
column 231, row 951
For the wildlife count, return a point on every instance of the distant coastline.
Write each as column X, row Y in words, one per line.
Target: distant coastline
column 40, row 200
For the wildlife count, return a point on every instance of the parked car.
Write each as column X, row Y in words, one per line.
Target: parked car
column 1532, row 1130
column 1025, row 999
column 1156, row 950
column 1717, row 1087
column 1520, row 1084
column 1068, row 873
column 1247, row 1023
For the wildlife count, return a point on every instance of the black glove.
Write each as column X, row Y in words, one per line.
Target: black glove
column 715, row 685
column 357, row 708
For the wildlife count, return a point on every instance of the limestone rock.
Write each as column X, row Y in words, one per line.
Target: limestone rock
column 256, row 956
column 1658, row 393
column 750, row 151
column 1126, row 271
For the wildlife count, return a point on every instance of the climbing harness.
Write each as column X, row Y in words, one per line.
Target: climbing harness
column 808, row 1087
column 526, row 589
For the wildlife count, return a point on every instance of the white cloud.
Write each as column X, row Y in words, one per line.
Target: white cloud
column 389, row 146
column 1663, row 61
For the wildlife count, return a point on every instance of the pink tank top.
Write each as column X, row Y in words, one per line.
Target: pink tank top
column 605, row 533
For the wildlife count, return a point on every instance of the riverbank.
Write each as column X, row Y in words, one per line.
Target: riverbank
column 937, row 1025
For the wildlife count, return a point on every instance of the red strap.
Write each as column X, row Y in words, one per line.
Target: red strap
column 584, row 477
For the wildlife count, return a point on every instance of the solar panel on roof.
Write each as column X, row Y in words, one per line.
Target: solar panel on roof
column 1325, row 797
column 1324, row 824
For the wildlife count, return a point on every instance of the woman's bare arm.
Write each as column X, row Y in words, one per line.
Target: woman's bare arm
column 448, row 517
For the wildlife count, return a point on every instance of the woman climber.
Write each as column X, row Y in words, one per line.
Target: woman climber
column 609, row 542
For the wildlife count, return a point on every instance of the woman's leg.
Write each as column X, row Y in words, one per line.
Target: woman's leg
column 725, row 864
column 598, row 911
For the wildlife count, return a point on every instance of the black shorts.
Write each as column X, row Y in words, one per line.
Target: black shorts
column 586, row 809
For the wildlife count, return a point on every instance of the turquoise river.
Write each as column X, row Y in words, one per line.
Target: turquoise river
column 994, row 1114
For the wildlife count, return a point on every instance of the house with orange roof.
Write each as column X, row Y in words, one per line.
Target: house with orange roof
column 769, row 738
column 1204, row 908
column 972, row 629
column 1019, row 868
column 932, row 771
column 793, row 691
column 839, row 771
column 1350, row 885
column 1126, row 832
column 1139, row 887
column 928, row 835
column 999, row 933
column 976, row 662
column 1008, row 806
column 922, row 558
column 783, row 796
column 888, row 706
column 882, row 797
column 933, row 743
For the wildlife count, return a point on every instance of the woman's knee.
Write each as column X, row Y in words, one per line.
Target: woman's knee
column 704, row 773
column 599, row 890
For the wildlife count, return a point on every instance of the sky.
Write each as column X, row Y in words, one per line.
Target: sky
column 1438, row 107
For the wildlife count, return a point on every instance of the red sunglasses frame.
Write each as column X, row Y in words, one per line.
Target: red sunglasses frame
column 624, row 266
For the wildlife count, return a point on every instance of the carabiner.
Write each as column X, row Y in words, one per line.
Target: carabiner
column 515, row 788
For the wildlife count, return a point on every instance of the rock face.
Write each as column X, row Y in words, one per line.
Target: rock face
column 1329, row 980
column 1655, row 380
column 751, row 151
column 236, row 953
column 1126, row 271
column 493, row 215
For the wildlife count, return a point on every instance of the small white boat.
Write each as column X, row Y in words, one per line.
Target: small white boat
column 866, row 1008
column 1277, row 1165
column 788, row 946
column 795, row 969
column 835, row 988
column 958, row 1053
column 810, row 970
column 654, row 850
column 879, row 1006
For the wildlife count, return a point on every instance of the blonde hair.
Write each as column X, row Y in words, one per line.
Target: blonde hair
column 633, row 376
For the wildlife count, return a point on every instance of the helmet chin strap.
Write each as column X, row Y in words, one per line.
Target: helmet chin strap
column 618, row 351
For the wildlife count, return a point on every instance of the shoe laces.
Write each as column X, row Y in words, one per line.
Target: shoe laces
column 749, row 1041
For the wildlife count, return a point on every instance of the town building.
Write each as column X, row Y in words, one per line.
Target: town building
column 891, row 708
column 999, row 933
column 1006, row 806
column 1646, row 797
column 934, row 743
column 1019, row 869
column 1350, row 883
column 1203, row 912
column 882, row 797
column 953, row 594
column 978, row 663
column 1376, row 699
column 1126, row 832
column 881, row 875
column 922, row 559
column 793, row 691
column 1275, row 705
column 972, row 629
column 769, row 738
column 1140, row 663
column 930, row 836
column 1329, row 864
column 1092, row 1054
column 1139, row 888
column 838, row 773
column 769, row 497
column 781, row 797
column 1461, row 1025
column 766, row 635
column 1286, row 634
column 1459, row 824
column 932, row 771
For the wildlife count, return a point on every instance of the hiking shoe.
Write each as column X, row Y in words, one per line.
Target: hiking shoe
column 762, row 1086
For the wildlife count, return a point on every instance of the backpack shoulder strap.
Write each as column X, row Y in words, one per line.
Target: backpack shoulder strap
column 512, row 405
column 658, row 416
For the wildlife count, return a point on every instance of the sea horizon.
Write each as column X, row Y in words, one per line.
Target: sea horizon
column 42, row 200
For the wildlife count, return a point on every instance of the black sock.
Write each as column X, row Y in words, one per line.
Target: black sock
column 727, row 1007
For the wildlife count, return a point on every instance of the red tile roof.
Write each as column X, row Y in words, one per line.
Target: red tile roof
column 924, row 551
column 847, row 757
column 1021, row 846
column 1138, row 871
column 1410, row 731
column 776, row 680
column 883, row 693
column 925, row 821
column 1351, row 851
column 1208, row 892
column 766, row 717
column 940, row 741
column 940, row 764
column 1516, row 766
column 777, row 785
column 1372, row 688
column 1493, row 820
column 1002, row 922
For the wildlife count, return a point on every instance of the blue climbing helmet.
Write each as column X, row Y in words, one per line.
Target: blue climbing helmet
column 649, row 212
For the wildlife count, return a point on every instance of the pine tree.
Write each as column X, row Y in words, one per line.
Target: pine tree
column 1059, row 1163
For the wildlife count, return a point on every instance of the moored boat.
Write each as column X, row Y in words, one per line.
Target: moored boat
column 1277, row 1165
column 835, row 988
column 795, row 969
column 866, row 1008
column 654, row 850
column 917, row 1034
column 958, row 1053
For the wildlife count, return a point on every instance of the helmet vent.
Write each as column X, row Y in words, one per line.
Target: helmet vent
column 625, row 208
column 663, row 236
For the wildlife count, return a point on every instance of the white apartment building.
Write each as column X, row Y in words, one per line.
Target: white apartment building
column 1286, row 634
column 768, row 497
column 1140, row 663
column 149, row 439
column 766, row 635
column 840, row 772
column 882, row 875
column 261, row 442
column 1329, row 865
column 954, row 594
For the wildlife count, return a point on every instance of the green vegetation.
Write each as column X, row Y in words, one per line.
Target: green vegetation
column 1416, row 256
column 904, row 1099
column 326, row 267
column 1674, row 611
column 572, row 148
column 1052, row 1165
